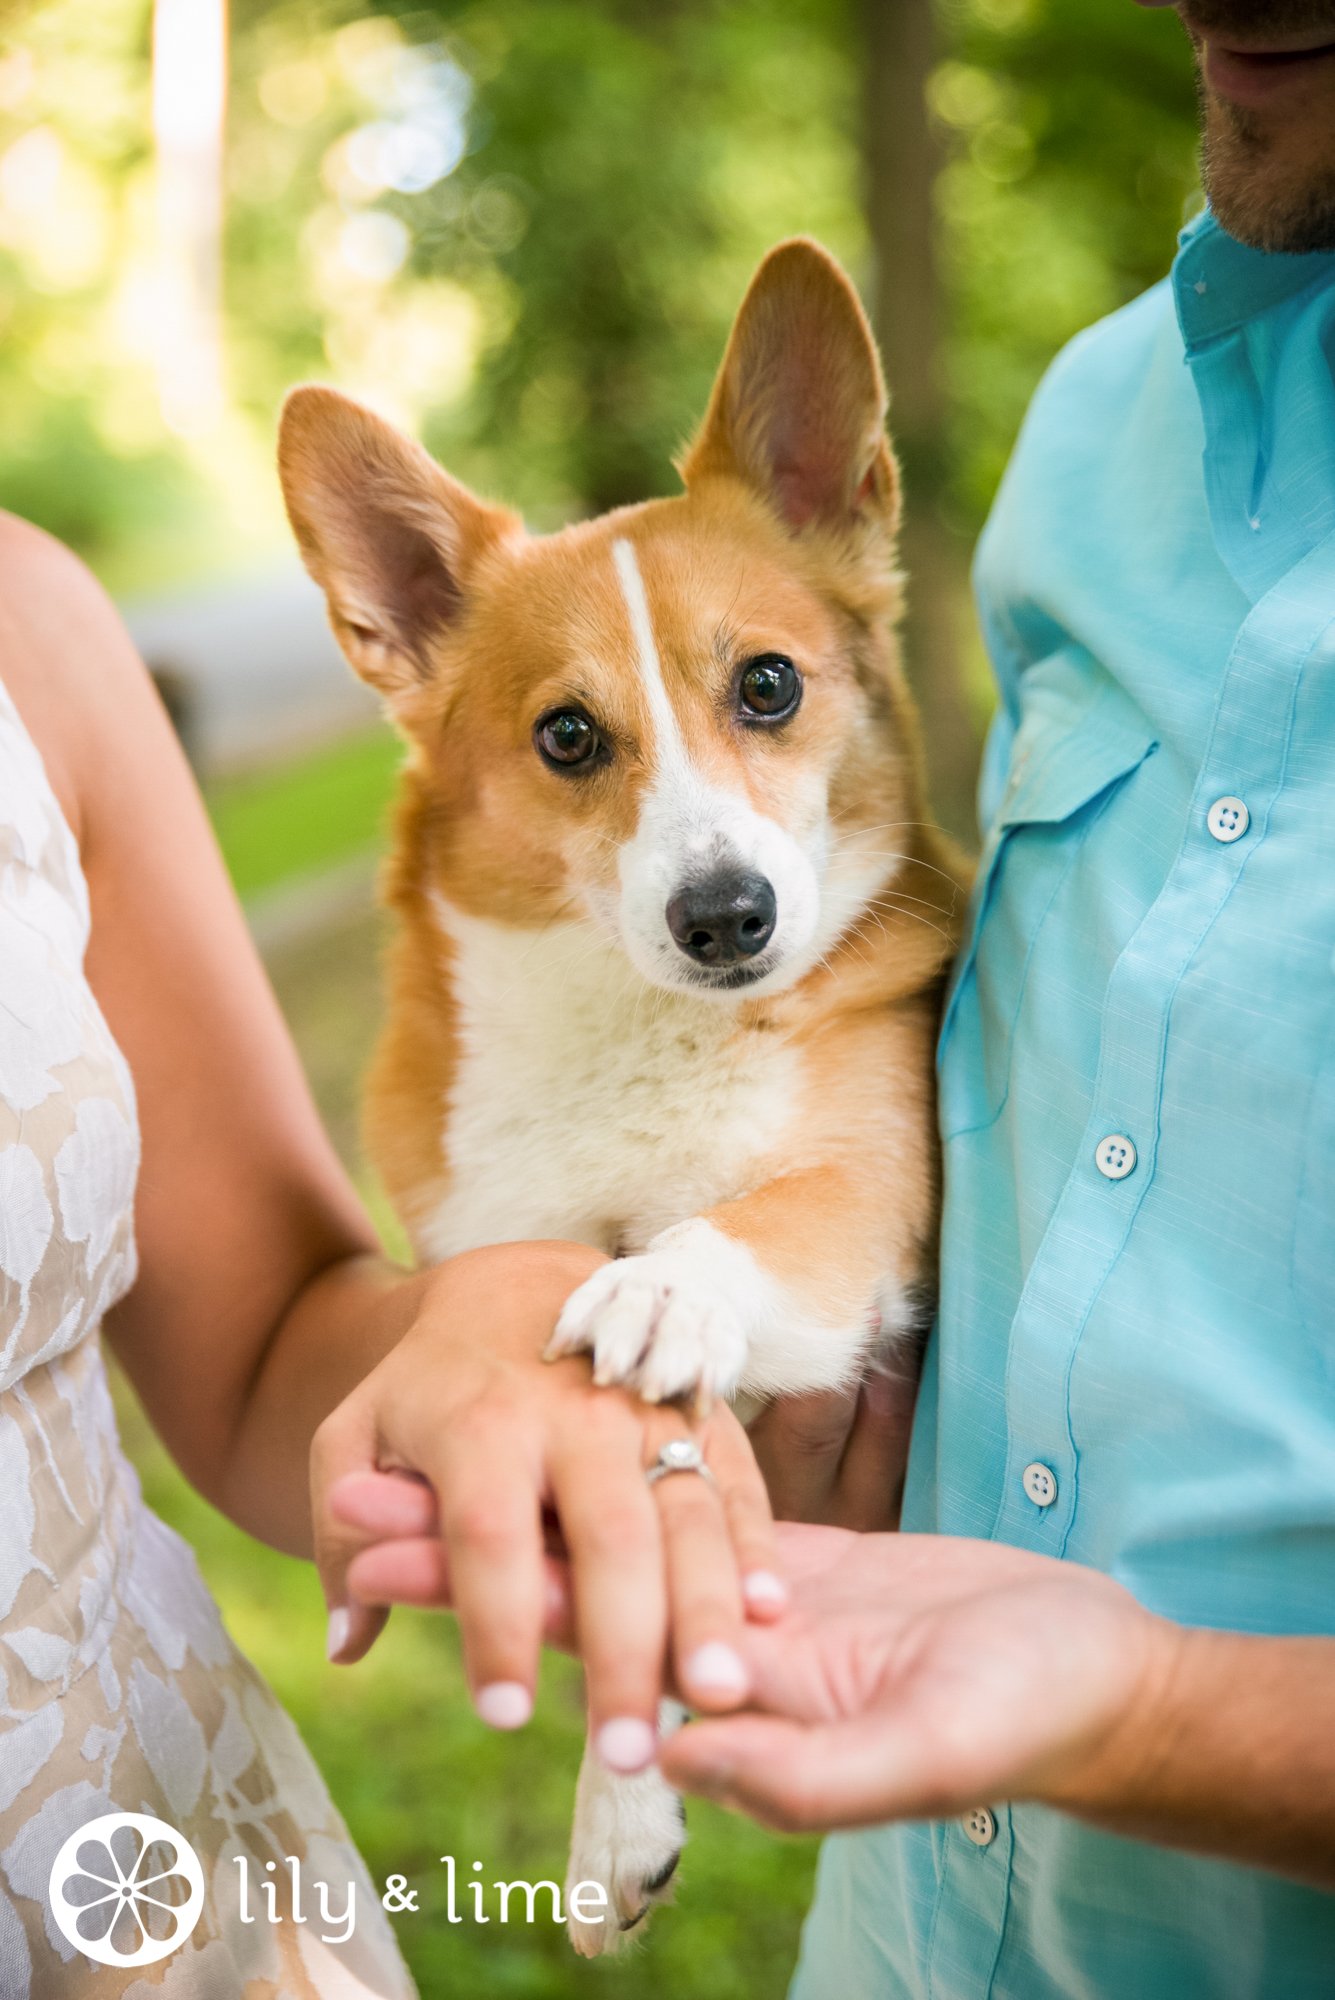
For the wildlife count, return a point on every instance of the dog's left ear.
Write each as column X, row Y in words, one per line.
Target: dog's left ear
column 799, row 404
column 390, row 538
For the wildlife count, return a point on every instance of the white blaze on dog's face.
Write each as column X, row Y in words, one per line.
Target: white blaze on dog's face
column 713, row 892
column 683, row 722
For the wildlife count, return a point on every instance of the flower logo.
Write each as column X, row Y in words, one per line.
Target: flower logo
column 126, row 1889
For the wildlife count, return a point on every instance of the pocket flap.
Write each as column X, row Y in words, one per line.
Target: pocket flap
column 1078, row 734
column 1074, row 739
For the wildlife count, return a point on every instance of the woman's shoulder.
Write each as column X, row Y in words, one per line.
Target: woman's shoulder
column 66, row 660
column 41, row 581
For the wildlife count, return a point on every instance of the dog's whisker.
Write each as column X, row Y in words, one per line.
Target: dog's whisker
column 885, row 825
column 905, row 897
column 914, row 861
column 915, row 917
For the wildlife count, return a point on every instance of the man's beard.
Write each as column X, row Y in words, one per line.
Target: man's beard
column 1255, row 198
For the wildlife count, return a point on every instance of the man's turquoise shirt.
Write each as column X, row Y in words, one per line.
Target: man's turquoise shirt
column 1134, row 1363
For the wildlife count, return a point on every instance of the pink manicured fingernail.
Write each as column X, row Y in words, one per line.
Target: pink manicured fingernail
column 340, row 1625
column 504, row 1704
column 715, row 1668
column 764, row 1591
column 625, row 1743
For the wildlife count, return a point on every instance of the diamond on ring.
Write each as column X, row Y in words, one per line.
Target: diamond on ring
column 678, row 1455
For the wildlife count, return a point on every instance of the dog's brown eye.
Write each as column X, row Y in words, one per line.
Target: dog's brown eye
column 770, row 688
column 566, row 737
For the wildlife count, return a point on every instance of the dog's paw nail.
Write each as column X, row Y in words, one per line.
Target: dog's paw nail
column 566, row 1336
column 658, row 1882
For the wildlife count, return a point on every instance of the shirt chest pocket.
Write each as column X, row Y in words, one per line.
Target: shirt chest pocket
column 1077, row 744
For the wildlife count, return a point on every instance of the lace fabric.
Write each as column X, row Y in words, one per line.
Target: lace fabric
column 119, row 1688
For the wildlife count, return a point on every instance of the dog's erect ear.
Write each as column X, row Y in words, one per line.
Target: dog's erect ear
column 390, row 538
column 798, row 408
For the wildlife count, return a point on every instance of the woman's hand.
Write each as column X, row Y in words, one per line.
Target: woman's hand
column 838, row 1457
column 530, row 1515
column 918, row 1676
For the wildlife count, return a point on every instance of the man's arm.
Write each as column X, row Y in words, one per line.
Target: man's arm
column 1231, row 1754
column 919, row 1676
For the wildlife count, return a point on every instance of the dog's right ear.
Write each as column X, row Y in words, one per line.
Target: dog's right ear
column 798, row 407
column 390, row 538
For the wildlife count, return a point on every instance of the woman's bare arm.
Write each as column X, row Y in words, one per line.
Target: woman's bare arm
column 245, row 1219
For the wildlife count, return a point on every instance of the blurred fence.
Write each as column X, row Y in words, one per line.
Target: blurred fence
column 249, row 668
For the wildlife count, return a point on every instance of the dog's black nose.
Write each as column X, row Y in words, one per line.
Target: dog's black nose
column 723, row 918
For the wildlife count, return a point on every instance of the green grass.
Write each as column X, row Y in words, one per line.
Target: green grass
column 322, row 808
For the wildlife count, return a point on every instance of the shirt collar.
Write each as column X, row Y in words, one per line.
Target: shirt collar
column 1219, row 283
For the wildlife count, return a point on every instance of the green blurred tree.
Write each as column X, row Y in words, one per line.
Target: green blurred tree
column 630, row 164
column 902, row 159
column 546, row 289
column 1026, row 164
column 1071, row 165
column 73, row 136
column 996, row 172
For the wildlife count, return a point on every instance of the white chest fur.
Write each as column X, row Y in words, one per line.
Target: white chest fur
column 588, row 1104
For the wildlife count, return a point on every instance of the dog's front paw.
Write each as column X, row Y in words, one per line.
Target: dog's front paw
column 626, row 1840
column 657, row 1324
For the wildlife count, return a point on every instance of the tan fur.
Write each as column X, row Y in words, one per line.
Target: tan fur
column 512, row 862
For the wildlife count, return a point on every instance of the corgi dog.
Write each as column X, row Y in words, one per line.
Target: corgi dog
column 672, row 928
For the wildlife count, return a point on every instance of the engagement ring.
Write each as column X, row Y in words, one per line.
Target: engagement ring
column 679, row 1455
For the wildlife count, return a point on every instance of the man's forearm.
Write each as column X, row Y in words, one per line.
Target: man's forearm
column 1232, row 1754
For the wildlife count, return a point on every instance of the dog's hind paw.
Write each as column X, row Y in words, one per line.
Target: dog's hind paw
column 626, row 1841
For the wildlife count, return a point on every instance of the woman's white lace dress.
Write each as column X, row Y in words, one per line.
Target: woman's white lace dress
column 119, row 1689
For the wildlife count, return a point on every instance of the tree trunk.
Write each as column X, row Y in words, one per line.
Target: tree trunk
column 901, row 160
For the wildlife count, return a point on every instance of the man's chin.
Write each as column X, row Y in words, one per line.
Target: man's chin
column 1264, row 187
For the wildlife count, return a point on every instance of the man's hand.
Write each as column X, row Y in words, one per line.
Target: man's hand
column 916, row 1676
column 838, row 1457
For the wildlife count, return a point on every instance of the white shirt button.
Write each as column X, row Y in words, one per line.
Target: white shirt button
column 1228, row 819
column 1115, row 1156
column 980, row 1826
column 1040, row 1483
